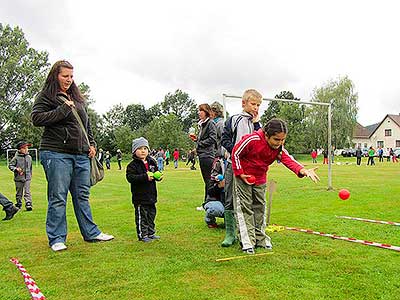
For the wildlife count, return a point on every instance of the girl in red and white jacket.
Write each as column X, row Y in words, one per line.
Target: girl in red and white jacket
column 251, row 158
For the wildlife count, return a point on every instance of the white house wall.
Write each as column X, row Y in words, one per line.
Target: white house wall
column 379, row 134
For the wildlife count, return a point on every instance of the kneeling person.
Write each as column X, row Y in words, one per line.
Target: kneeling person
column 214, row 202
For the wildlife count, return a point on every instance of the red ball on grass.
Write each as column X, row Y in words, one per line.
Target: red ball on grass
column 344, row 194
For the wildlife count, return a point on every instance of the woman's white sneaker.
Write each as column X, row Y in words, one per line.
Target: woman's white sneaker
column 58, row 247
column 104, row 237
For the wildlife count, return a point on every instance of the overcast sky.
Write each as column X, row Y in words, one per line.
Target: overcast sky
column 138, row 51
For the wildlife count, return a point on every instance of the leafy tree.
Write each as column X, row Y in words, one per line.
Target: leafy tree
column 294, row 115
column 136, row 116
column 22, row 72
column 124, row 136
column 112, row 119
column 344, row 113
column 182, row 106
column 167, row 131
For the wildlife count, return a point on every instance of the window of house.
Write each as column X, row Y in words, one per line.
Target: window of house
column 380, row 144
column 365, row 145
column 388, row 132
column 397, row 143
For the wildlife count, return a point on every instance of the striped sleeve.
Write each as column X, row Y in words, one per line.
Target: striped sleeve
column 241, row 150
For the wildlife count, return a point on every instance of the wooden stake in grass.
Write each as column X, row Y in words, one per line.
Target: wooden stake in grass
column 243, row 256
column 271, row 190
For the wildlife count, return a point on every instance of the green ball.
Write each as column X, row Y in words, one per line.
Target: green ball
column 157, row 175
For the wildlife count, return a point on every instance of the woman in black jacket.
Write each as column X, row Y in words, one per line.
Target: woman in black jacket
column 64, row 154
column 206, row 143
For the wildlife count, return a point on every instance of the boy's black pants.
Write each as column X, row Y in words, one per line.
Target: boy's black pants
column 145, row 215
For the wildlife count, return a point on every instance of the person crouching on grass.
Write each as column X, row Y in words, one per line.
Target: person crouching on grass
column 252, row 156
column 143, row 189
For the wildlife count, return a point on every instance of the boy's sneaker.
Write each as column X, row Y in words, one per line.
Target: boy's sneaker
column 58, row 247
column 154, row 237
column 146, row 239
column 214, row 225
column 29, row 208
column 103, row 237
column 18, row 205
column 249, row 251
column 10, row 212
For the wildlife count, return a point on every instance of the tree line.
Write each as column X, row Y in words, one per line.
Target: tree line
column 165, row 124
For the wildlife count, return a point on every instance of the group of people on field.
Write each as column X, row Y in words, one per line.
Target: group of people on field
column 234, row 157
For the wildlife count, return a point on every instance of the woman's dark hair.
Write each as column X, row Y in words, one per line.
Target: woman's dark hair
column 206, row 108
column 51, row 86
column 275, row 126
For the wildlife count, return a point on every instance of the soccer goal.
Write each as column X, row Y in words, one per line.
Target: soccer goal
column 32, row 151
column 226, row 97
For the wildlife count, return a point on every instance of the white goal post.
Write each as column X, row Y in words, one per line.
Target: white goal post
column 329, row 105
column 13, row 151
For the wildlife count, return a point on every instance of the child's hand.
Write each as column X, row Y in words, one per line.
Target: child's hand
column 256, row 117
column 19, row 171
column 245, row 177
column 310, row 174
column 221, row 184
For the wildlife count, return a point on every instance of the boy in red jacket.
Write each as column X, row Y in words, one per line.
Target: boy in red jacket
column 252, row 157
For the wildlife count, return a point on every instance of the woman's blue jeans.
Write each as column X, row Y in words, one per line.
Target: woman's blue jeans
column 67, row 172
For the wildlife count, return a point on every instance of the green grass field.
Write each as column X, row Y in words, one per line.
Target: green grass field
column 182, row 264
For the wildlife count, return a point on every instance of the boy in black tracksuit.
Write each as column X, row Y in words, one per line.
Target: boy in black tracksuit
column 143, row 189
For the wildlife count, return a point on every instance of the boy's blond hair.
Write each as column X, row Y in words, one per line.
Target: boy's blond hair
column 251, row 94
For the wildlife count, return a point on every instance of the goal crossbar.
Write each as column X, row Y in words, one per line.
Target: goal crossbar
column 329, row 105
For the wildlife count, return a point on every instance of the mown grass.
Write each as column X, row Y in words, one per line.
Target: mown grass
column 182, row 264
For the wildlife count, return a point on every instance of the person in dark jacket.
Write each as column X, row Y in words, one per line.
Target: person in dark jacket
column 140, row 174
column 206, row 143
column 64, row 154
column 21, row 166
column 119, row 159
column 358, row 155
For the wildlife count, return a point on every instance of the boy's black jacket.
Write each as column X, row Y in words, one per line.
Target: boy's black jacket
column 143, row 191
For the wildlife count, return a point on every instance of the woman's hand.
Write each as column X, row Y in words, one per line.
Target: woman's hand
column 92, row 151
column 193, row 137
column 310, row 174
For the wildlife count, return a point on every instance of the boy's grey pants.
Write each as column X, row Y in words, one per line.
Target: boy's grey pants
column 23, row 189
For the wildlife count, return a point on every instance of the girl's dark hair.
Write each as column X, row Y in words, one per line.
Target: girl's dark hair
column 206, row 108
column 275, row 126
column 51, row 86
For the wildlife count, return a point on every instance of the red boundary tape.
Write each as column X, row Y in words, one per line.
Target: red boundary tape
column 354, row 240
column 33, row 289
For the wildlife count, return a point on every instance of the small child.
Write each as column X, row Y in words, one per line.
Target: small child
column 143, row 189
column 21, row 165
column 252, row 157
column 214, row 202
